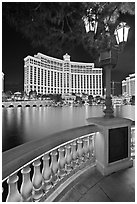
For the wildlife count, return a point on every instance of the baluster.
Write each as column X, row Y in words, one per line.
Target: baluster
column 132, row 142
column 68, row 157
column 80, row 152
column 2, row 192
column 62, row 162
column 133, row 136
column 85, row 148
column 37, row 181
column 13, row 193
column 54, row 167
column 46, row 172
column 91, row 146
column 74, row 154
column 88, row 146
column 26, row 187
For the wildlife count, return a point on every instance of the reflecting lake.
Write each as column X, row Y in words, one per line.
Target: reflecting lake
column 20, row 125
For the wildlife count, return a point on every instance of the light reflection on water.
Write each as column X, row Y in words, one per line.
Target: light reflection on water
column 127, row 111
column 20, row 125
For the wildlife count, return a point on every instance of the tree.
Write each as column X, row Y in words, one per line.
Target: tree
column 132, row 100
column 8, row 94
column 33, row 94
column 90, row 98
column 78, row 99
column 39, row 96
column 4, row 97
column 59, row 26
column 24, row 95
column 56, row 97
column 124, row 101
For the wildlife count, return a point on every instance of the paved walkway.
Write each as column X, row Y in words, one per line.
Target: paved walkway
column 93, row 187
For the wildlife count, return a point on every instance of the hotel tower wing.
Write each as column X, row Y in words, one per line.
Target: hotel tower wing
column 48, row 75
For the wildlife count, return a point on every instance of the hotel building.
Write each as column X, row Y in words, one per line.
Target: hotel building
column 128, row 86
column 48, row 75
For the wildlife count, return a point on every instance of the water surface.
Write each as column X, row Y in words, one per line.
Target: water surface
column 20, row 125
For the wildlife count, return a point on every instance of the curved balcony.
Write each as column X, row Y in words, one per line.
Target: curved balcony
column 41, row 170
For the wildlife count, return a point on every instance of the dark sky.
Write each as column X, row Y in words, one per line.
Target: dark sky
column 15, row 48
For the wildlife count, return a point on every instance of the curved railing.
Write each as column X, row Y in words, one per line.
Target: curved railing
column 35, row 171
column 133, row 142
column 31, row 172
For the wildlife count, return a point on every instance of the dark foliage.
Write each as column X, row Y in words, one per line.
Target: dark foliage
column 58, row 26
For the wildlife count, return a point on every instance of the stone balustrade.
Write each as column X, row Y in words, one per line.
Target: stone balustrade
column 41, row 176
column 133, row 142
column 34, row 171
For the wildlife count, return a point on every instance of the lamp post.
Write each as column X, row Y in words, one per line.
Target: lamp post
column 113, row 141
column 108, row 57
column 108, row 60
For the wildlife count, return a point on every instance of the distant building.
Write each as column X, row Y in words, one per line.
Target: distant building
column 69, row 98
column 48, row 75
column 128, row 86
column 17, row 96
column 117, row 100
column 2, row 82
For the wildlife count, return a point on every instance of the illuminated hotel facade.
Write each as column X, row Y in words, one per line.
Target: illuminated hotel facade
column 128, row 86
column 48, row 75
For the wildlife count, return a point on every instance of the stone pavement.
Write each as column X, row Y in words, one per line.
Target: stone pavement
column 93, row 187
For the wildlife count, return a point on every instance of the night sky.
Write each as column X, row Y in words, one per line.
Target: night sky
column 15, row 48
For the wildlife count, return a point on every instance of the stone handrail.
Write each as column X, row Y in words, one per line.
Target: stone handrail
column 48, row 161
column 133, row 142
column 15, row 158
column 33, row 171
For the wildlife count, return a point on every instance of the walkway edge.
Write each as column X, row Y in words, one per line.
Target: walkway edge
column 59, row 190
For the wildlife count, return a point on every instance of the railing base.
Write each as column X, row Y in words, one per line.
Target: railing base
column 89, row 165
column 114, row 168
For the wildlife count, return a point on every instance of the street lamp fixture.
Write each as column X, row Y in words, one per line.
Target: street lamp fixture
column 121, row 33
column 90, row 21
column 109, row 56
